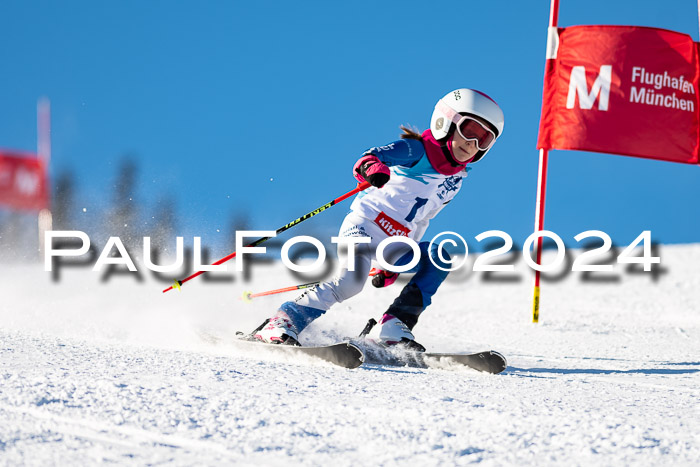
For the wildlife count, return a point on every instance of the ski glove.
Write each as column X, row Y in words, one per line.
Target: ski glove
column 373, row 170
column 381, row 278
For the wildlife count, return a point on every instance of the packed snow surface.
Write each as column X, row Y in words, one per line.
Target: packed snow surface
column 117, row 371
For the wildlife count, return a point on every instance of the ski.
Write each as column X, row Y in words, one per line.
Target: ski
column 488, row 361
column 353, row 353
column 343, row 354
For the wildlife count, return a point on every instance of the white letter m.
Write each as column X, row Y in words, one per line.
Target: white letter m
column 601, row 86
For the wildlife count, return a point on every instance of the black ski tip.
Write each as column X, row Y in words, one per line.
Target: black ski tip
column 488, row 361
column 343, row 354
column 353, row 358
column 498, row 366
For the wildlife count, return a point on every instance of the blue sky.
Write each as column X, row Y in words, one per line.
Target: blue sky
column 265, row 106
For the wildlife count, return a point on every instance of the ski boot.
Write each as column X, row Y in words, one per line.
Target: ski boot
column 277, row 330
column 392, row 332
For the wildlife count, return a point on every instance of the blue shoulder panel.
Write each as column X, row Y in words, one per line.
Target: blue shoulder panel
column 404, row 152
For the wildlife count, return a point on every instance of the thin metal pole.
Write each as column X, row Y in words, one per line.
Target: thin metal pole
column 542, row 186
column 43, row 127
column 43, row 148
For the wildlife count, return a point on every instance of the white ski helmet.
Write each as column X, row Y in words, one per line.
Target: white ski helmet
column 466, row 102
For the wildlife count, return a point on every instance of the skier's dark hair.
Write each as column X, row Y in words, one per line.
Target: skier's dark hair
column 410, row 132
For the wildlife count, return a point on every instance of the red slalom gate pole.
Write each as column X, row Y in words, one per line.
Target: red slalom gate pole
column 360, row 187
column 539, row 226
column 542, row 172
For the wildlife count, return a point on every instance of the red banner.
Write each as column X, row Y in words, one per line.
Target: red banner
column 624, row 90
column 23, row 181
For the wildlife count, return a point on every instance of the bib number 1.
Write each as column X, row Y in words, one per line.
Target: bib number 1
column 420, row 202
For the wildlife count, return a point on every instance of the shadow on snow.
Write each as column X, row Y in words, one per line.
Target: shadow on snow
column 594, row 371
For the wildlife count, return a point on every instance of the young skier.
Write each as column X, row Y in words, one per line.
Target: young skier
column 412, row 180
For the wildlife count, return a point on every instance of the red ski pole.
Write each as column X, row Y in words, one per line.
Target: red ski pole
column 360, row 187
column 249, row 296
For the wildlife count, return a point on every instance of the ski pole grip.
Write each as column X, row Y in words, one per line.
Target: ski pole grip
column 368, row 327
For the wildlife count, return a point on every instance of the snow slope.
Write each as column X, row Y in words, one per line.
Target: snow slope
column 116, row 372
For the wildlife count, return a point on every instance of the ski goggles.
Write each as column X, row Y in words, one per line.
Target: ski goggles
column 469, row 128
